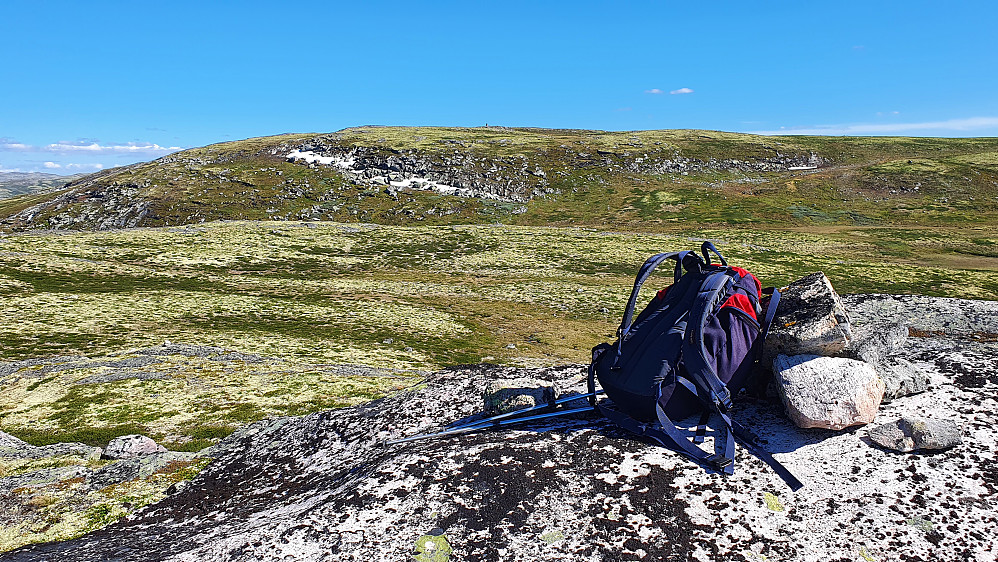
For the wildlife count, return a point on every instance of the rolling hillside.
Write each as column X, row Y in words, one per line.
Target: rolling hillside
column 645, row 180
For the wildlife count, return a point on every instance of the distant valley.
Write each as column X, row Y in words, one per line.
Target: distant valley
column 13, row 184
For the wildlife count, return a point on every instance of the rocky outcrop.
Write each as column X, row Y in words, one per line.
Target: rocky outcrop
column 828, row 392
column 13, row 448
column 324, row 487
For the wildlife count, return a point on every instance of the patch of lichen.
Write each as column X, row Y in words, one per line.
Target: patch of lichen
column 67, row 509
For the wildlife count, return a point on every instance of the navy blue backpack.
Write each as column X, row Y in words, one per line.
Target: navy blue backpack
column 686, row 354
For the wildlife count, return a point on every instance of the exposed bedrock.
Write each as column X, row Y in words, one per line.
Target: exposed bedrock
column 324, row 487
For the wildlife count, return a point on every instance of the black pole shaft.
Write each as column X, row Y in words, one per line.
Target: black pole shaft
column 498, row 423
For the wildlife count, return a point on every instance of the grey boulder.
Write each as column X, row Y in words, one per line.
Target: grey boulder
column 828, row 392
column 913, row 434
column 901, row 378
column 131, row 446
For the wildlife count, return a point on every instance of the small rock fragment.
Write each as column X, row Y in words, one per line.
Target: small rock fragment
column 912, row 434
column 131, row 446
column 828, row 392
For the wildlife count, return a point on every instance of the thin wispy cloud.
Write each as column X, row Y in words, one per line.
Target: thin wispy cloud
column 859, row 129
column 654, row 91
column 90, row 147
column 681, row 91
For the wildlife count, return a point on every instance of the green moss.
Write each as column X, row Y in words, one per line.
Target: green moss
column 432, row 548
column 773, row 502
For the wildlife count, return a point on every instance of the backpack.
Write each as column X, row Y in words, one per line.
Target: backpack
column 691, row 349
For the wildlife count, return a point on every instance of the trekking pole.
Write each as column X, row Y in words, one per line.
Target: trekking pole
column 552, row 404
column 493, row 423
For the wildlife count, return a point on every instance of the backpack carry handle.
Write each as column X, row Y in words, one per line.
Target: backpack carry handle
column 643, row 273
column 708, row 247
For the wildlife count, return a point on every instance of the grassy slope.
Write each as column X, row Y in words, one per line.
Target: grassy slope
column 444, row 295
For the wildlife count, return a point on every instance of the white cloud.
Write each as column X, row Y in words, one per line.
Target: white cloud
column 859, row 129
column 16, row 146
column 93, row 147
column 681, row 91
column 84, row 166
column 52, row 165
column 654, row 91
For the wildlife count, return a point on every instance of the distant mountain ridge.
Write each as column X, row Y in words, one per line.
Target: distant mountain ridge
column 439, row 175
column 13, row 184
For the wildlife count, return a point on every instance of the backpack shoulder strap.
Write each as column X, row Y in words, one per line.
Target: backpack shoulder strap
column 643, row 273
column 712, row 292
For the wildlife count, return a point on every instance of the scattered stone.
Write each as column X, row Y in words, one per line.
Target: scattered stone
column 134, row 468
column 131, row 446
column 130, row 362
column 238, row 356
column 170, row 348
column 913, row 434
column 810, row 319
column 508, row 399
column 828, row 392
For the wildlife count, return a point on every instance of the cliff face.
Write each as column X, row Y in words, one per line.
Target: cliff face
column 322, row 487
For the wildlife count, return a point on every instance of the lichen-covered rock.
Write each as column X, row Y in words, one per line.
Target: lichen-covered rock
column 828, row 392
column 131, row 446
column 881, row 344
column 323, row 487
column 874, row 342
column 810, row 319
column 13, row 448
column 914, row 434
column 134, row 468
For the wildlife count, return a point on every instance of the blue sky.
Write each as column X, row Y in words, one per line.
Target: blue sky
column 89, row 85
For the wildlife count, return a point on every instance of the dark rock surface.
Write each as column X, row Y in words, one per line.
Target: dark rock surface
column 321, row 487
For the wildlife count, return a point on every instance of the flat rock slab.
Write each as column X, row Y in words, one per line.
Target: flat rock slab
column 321, row 487
column 914, row 434
column 828, row 392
